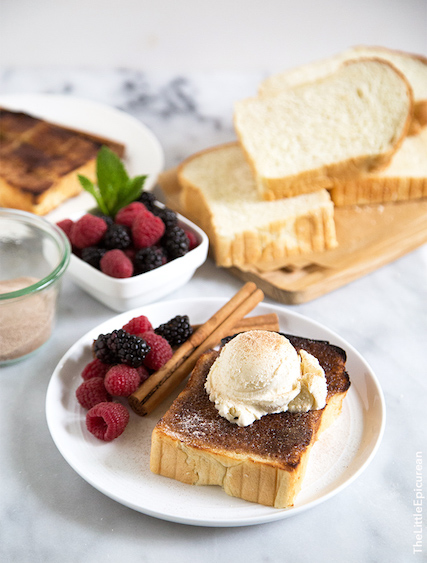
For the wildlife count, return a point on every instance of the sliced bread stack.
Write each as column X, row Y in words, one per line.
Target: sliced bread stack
column 339, row 127
column 268, row 196
column 405, row 177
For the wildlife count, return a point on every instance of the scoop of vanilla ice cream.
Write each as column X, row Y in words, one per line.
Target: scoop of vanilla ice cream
column 259, row 372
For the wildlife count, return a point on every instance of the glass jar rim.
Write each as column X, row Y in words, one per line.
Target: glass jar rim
column 57, row 235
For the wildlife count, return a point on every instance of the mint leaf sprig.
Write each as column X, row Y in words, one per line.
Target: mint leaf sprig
column 114, row 188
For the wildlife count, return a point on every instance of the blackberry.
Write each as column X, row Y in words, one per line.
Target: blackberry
column 168, row 216
column 148, row 199
column 129, row 349
column 147, row 259
column 176, row 331
column 175, row 242
column 102, row 351
column 120, row 347
column 117, row 236
column 109, row 220
column 92, row 255
column 227, row 339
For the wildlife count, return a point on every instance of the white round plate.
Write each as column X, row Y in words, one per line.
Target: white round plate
column 144, row 154
column 120, row 469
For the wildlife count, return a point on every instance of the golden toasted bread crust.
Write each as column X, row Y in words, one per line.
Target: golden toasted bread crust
column 39, row 161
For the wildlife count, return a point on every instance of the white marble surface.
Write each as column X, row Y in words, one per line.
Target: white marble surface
column 49, row 514
column 237, row 35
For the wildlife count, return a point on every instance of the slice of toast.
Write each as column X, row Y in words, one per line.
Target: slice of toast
column 342, row 125
column 40, row 161
column 264, row 462
column 220, row 195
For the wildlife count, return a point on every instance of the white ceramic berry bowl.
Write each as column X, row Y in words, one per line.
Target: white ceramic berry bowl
column 129, row 293
column 34, row 254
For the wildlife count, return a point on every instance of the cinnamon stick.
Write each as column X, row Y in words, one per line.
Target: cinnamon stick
column 161, row 383
column 268, row 321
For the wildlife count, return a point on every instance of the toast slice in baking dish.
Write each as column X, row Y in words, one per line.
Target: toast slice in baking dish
column 40, row 161
column 264, row 462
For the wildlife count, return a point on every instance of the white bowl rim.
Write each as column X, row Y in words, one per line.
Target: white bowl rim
column 138, row 283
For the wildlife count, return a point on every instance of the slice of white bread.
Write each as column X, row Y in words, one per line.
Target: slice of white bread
column 340, row 126
column 414, row 67
column 220, row 195
column 404, row 178
column 264, row 462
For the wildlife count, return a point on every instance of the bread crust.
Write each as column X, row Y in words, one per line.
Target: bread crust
column 378, row 190
column 40, row 204
column 404, row 179
column 325, row 176
column 264, row 462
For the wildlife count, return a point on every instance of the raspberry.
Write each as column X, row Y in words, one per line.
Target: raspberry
column 130, row 253
column 143, row 373
column 66, row 225
column 87, row 231
column 92, row 255
column 95, row 368
column 138, row 325
column 127, row 214
column 147, row 230
column 117, row 236
column 116, row 264
column 147, row 259
column 160, row 352
column 92, row 392
column 176, row 331
column 192, row 239
column 122, row 380
column 175, row 242
column 107, row 421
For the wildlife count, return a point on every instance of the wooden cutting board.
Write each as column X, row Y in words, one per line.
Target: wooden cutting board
column 369, row 237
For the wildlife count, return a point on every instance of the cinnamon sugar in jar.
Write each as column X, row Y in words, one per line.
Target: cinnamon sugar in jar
column 34, row 255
